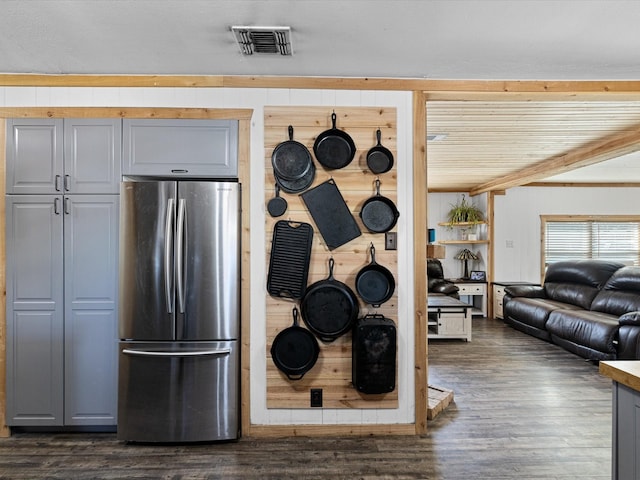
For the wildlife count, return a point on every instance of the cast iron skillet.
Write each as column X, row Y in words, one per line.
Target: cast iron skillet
column 329, row 307
column 379, row 214
column 291, row 160
column 374, row 283
column 295, row 350
column 379, row 158
column 334, row 148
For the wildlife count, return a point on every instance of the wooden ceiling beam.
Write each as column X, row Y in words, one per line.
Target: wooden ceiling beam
column 612, row 146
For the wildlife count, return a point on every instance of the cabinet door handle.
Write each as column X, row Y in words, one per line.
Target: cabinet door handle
column 56, row 183
column 56, row 206
column 67, row 210
column 67, row 179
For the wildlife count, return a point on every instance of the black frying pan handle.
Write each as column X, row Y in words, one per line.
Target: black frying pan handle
column 333, row 119
column 379, row 137
column 377, row 182
column 295, row 324
column 294, row 377
column 331, row 264
column 290, row 132
column 372, row 249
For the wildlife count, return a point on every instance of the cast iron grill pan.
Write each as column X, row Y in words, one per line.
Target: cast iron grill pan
column 331, row 214
column 289, row 261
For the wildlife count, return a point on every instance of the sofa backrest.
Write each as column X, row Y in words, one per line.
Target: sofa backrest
column 621, row 293
column 578, row 281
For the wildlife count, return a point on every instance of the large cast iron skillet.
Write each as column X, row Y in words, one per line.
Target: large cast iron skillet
column 334, row 148
column 379, row 214
column 329, row 307
column 374, row 283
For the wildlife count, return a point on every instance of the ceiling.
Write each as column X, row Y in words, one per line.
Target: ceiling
column 430, row 39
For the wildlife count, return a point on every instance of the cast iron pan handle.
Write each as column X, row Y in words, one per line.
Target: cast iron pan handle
column 372, row 249
column 290, row 132
column 377, row 186
column 334, row 118
column 331, row 264
column 379, row 137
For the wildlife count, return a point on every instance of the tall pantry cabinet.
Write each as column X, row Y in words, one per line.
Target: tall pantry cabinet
column 62, row 204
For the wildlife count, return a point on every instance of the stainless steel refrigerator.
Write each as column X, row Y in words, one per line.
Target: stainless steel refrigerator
column 179, row 321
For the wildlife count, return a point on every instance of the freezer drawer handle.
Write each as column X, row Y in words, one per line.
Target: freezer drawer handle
column 194, row 353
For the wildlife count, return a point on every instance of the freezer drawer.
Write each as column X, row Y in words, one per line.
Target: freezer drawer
column 178, row 391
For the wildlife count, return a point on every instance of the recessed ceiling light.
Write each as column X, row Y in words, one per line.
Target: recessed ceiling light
column 263, row 40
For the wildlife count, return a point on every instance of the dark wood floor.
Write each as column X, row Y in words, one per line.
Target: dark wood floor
column 523, row 409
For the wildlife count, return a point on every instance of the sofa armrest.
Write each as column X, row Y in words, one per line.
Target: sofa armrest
column 630, row 318
column 530, row 291
column 445, row 287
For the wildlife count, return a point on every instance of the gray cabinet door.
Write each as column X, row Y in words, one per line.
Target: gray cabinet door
column 180, row 148
column 35, row 326
column 90, row 265
column 52, row 156
column 92, row 155
column 34, row 155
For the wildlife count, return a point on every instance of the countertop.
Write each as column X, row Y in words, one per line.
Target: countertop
column 626, row 372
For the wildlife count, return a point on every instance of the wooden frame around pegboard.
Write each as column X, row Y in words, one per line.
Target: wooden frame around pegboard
column 332, row 372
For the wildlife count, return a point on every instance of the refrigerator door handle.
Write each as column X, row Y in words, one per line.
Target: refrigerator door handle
column 168, row 248
column 180, row 243
column 191, row 353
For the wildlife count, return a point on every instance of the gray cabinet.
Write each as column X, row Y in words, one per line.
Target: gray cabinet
column 35, row 327
column 62, row 309
column 49, row 156
column 180, row 148
column 62, row 209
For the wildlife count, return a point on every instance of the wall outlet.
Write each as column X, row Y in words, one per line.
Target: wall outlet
column 316, row 397
column 390, row 241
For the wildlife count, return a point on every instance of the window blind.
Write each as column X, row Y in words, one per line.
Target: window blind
column 574, row 240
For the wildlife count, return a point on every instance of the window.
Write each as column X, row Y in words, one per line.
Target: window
column 612, row 238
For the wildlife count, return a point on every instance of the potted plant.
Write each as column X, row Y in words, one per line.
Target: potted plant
column 464, row 212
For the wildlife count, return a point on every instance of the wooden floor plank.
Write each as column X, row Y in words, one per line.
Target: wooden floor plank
column 523, row 408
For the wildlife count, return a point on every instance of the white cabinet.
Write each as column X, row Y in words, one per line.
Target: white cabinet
column 448, row 318
column 474, row 293
column 498, row 295
column 180, row 148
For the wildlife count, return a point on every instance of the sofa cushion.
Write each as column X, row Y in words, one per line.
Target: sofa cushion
column 577, row 282
column 533, row 311
column 595, row 330
column 621, row 293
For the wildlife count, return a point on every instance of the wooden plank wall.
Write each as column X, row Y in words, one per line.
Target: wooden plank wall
column 356, row 183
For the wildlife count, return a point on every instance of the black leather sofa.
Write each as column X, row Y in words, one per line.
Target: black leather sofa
column 436, row 283
column 589, row 307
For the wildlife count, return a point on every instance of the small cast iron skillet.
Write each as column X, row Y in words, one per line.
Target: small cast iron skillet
column 379, row 158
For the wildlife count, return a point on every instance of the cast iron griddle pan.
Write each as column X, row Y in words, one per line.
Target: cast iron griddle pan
column 289, row 262
column 331, row 214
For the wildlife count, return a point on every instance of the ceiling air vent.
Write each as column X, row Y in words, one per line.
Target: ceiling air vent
column 263, row 40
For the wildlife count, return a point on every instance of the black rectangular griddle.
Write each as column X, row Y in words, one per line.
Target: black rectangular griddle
column 331, row 214
column 290, row 257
